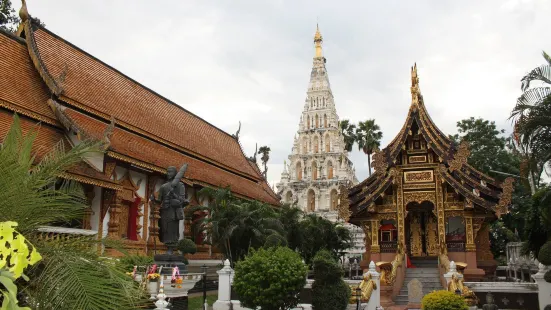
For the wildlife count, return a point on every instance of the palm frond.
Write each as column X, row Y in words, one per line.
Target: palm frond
column 541, row 73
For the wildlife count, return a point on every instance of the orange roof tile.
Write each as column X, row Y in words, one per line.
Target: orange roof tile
column 21, row 88
column 148, row 151
column 47, row 137
column 97, row 88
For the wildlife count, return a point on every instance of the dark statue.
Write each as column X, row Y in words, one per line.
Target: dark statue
column 172, row 198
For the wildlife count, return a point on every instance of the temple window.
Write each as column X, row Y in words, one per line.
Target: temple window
column 327, row 144
column 311, row 201
column 388, row 236
column 333, row 198
column 455, row 234
column 329, row 170
column 325, row 120
column 316, row 145
column 308, row 122
column 317, row 121
column 314, row 170
column 299, row 171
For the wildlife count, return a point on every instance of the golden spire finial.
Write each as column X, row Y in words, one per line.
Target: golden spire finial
column 23, row 12
column 318, row 40
column 415, row 92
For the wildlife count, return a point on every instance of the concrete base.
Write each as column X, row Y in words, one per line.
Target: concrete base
column 386, row 296
column 221, row 305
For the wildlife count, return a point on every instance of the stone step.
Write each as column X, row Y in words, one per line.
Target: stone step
column 422, row 275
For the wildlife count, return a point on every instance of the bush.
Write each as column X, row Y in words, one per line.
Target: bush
column 128, row 262
column 544, row 256
column 275, row 240
column 186, row 246
column 443, row 300
column 547, row 276
column 270, row 278
column 329, row 291
column 548, row 307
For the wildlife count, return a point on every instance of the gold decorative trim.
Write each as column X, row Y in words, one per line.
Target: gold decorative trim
column 419, row 197
column 419, row 186
column 440, row 210
column 400, row 208
column 453, row 213
column 460, row 157
column 453, row 206
column 387, row 216
column 135, row 162
column 379, row 161
column 16, row 109
column 418, row 176
column 344, row 205
column 506, row 197
column 417, row 159
column 91, row 181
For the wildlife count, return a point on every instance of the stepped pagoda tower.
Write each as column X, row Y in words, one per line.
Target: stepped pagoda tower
column 425, row 201
column 318, row 165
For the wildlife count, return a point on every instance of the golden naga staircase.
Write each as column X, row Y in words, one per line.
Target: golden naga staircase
column 456, row 283
column 367, row 286
column 389, row 270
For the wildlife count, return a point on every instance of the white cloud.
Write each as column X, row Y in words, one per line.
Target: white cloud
column 249, row 61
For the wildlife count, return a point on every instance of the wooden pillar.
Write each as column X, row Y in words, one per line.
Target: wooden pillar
column 154, row 226
column 469, row 245
column 375, row 247
column 114, row 214
column 440, row 209
column 366, row 227
column 400, row 208
column 88, row 212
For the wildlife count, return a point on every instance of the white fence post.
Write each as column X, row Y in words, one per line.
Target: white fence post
column 543, row 286
column 375, row 299
column 224, row 287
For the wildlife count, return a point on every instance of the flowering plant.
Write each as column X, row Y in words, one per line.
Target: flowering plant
column 153, row 277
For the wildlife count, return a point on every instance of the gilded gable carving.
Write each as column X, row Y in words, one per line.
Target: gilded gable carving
column 418, row 176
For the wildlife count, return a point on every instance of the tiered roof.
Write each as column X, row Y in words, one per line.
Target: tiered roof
column 150, row 131
column 474, row 185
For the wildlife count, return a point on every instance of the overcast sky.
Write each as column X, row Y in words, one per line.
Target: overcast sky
column 250, row 61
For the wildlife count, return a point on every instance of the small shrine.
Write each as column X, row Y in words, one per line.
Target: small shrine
column 424, row 200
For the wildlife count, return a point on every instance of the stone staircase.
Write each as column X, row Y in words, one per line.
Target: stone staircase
column 426, row 272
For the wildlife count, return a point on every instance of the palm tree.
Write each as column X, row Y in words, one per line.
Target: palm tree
column 71, row 275
column 532, row 115
column 347, row 131
column 369, row 138
column 265, row 151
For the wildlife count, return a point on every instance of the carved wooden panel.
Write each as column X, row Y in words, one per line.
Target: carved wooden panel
column 419, row 197
column 417, row 159
column 418, row 176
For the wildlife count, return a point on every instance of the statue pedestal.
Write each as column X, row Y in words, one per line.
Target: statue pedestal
column 386, row 296
column 168, row 261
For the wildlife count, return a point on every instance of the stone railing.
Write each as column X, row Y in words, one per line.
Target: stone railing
column 519, row 267
column 63, row 233
column 369, row 286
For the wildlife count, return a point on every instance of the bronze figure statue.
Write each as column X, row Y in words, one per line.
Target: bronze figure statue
column 172, row 198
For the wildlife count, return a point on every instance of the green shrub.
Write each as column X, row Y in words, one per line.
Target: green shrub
column 443, row 300
column 329, row 291
column 186, row 246
column 275, row 240
column 547, row 276
column 270, row 278
column 128, row 262
column 544, row 256
column 548, row 307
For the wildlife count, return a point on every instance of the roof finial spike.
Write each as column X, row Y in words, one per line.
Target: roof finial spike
column 318, row 40
column 415, row 92
column 23, row 12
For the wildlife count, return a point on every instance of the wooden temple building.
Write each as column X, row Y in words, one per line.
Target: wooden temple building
column 74, row 96
column 425, row 202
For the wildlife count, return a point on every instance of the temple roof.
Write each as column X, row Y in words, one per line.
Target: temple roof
column 451, row 162
column 150, row 130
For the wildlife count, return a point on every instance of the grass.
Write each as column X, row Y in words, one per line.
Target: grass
column 196, row 302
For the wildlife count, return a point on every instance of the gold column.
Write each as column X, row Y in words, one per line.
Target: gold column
column 366, row 227
column 375, row 248
column 440, row 209
column 400, row 208
column 469, row 246
column 114, row 211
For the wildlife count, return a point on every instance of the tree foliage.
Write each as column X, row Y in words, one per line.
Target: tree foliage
column 8, row 17
column 368, row 136
column 319, row 233
column 265, row 152
column 349, row 134
column 270, row 278
column 70, row 275
column 329, row 291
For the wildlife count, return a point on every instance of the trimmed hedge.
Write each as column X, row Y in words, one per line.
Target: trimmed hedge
column 443, row 300
column 270, row 278
column 544, row 256
column 329, row 291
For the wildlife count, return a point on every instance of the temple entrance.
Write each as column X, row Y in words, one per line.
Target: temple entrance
column 421, row 230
